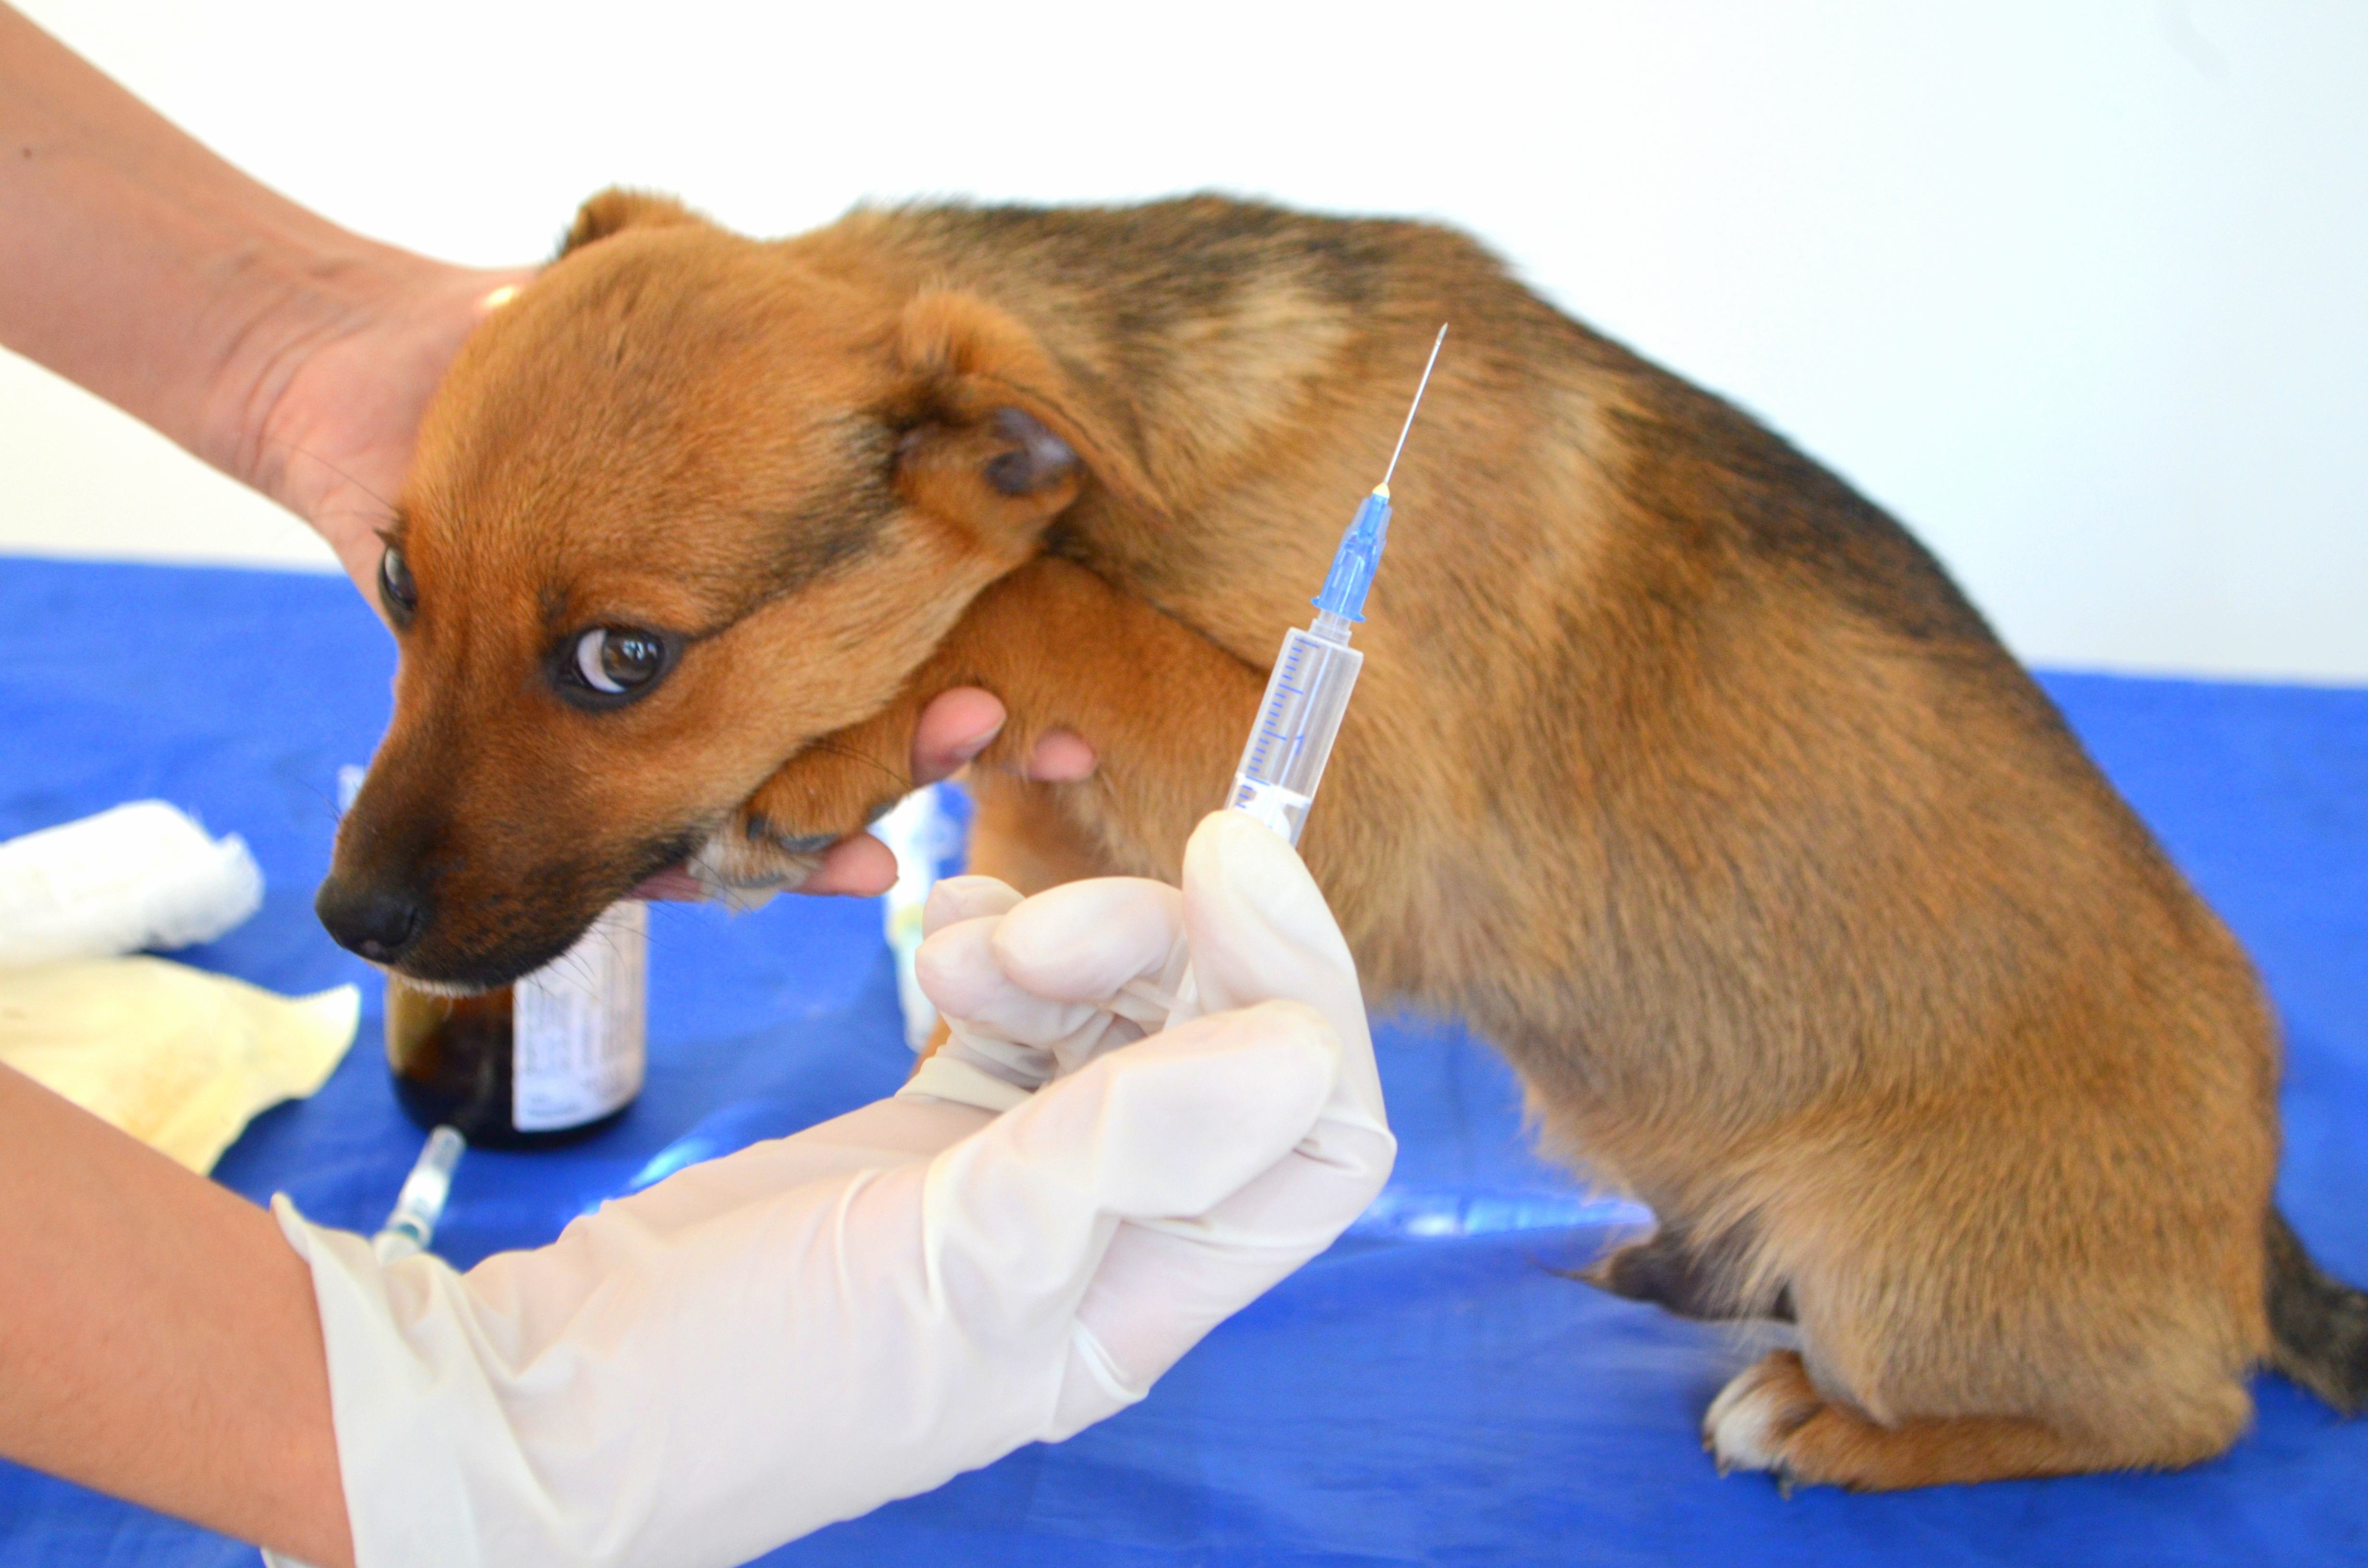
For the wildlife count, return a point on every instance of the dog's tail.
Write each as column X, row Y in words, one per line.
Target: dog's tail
column 2319, row 1326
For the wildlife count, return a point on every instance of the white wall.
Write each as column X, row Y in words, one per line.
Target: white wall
column 2079, row 289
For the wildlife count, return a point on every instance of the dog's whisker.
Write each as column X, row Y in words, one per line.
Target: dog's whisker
column 328, row 802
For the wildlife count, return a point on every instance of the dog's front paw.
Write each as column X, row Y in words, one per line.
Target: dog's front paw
column 776, row 840
column 1752, row 1420
column 749, row 858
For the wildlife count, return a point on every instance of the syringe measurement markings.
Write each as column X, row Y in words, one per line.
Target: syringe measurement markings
column 1295, row 654
column 1268, row 727
column 1260, row 757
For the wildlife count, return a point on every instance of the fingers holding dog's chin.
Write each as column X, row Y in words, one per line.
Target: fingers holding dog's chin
column 858, row 866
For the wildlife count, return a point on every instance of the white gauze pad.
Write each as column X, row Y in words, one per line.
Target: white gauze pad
column 140, row 876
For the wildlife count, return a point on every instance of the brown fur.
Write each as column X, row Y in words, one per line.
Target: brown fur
column 1794, row 902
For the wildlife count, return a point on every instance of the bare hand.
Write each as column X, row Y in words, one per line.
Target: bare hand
column 329, row 429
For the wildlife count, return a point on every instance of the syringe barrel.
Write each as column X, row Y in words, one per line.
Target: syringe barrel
column 412, row 1224
column 1297, row 722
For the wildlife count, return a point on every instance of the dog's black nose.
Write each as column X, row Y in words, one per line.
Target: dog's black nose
column 376, row 922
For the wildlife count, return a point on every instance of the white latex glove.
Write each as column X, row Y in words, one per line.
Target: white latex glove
column 799, row 1332
column 1047, row 986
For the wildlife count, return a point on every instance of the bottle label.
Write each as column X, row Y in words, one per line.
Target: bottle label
column 578, row 1050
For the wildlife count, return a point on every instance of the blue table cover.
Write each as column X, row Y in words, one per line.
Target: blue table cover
column 1432, row 1389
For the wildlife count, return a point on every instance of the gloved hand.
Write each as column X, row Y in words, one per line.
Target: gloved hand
column 1034, row 990
column 799, row 1332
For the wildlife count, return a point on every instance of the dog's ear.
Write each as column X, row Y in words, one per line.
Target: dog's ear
column 1007, row 434
column 617, row 208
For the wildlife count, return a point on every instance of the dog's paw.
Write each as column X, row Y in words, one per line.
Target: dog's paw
column 776, row 840
column 1751, row 1423
column 749, row 859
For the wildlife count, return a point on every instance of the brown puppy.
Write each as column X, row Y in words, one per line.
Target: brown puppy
column 1797, row 908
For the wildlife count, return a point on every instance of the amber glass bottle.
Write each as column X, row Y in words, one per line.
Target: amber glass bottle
column 546, row 1061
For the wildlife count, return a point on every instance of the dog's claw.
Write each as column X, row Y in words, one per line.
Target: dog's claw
column 760, row 829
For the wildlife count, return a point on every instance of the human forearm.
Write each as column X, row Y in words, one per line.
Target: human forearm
column 158, row 1339
column 140, row 265
column 290, row 352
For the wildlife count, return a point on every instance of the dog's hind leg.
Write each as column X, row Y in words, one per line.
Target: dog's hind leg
column 1968, row 1312
column 1774, row 1417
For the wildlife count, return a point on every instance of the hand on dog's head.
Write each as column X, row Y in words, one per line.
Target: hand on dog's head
column 684, row 504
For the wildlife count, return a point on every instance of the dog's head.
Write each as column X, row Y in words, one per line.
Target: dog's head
column 685, row 503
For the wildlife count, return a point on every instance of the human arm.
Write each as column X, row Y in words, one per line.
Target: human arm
column 290, row 352
column 799, row 1332
column 158, row 1341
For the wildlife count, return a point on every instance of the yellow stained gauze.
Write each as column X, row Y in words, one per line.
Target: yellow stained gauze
column 180, row 1059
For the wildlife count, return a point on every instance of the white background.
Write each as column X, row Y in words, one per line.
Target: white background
column 2077, row 288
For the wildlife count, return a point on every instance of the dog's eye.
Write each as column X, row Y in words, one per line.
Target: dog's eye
column 615, row 660
column 395, row 589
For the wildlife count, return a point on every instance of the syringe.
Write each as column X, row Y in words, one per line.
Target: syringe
column 411, row 1224
column 1306, row 696
column 1313, row 676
